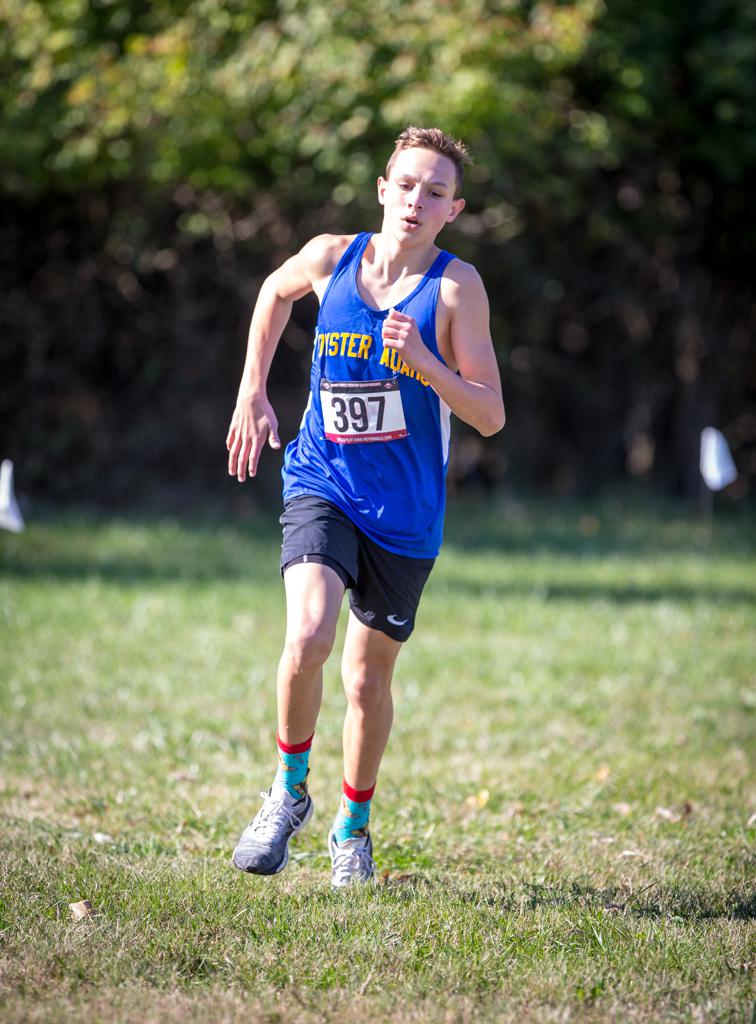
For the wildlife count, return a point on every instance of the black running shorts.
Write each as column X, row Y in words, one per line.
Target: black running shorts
column 385, row 588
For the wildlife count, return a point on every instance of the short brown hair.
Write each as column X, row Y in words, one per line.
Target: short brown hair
column 433, row 138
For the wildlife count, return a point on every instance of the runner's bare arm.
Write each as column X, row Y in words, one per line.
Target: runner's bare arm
column 474, row 395
column 254, row 421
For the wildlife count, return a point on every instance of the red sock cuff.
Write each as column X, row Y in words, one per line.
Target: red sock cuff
column 293, row 748
column 359, row 796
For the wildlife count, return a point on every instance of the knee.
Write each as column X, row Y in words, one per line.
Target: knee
column 309, row 646
column 365, row 690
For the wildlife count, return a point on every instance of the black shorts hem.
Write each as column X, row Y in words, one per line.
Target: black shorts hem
column 332, row 563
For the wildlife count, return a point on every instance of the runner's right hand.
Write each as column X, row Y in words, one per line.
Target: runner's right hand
column 252, row 424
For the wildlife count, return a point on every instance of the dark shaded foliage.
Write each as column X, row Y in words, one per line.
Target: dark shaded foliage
column 159, row 159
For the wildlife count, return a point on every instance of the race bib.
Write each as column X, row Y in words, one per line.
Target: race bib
column 357, row 411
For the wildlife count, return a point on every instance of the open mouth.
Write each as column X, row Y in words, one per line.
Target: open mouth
column 411, row 222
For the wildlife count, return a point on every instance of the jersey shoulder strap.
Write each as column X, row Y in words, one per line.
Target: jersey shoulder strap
column 352, row 251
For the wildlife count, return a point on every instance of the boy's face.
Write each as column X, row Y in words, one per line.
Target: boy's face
column 418, row 196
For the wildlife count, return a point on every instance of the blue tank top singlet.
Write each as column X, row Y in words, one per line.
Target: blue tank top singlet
column 374, row 438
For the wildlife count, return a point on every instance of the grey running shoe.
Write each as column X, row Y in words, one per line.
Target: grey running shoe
column 263, row 848
column 351, row 861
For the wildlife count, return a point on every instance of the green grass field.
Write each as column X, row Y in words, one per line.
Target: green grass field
column 564, row 820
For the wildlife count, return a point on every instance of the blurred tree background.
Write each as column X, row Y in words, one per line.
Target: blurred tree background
column 159, row 157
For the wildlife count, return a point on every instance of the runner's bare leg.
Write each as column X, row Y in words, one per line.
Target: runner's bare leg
column 313, row 600
column 367, row 669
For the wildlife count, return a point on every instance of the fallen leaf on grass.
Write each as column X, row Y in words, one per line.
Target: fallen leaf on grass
column 622, row 808
column 513, row 810
column 81, row 910
column 670, row 814
column 746, row 967
column 401, row 878
column 631, row 853
column 667, row 813
column 190, row 774
column 751, row 821
column 603, row 773
column 477, row 800
column 102, row 837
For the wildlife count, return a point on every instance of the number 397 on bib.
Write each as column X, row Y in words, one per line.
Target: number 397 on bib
column 357, row 411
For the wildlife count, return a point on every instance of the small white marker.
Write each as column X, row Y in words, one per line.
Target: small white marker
column 10, row 514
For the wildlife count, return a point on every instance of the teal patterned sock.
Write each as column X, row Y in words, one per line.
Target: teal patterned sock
column 293, row 767
column 351, row 822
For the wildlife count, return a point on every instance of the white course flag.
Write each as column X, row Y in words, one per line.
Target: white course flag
column 717, row 467
column 10, row 514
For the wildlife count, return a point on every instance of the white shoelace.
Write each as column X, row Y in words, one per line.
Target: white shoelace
column 273, row 817
column 350, row 862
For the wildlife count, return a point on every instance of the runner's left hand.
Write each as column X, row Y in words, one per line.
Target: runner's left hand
column 401, row 332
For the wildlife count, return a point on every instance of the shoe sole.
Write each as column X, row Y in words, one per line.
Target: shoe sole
column 285, row 859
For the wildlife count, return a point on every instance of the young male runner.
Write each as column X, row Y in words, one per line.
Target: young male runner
column 402, row 339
